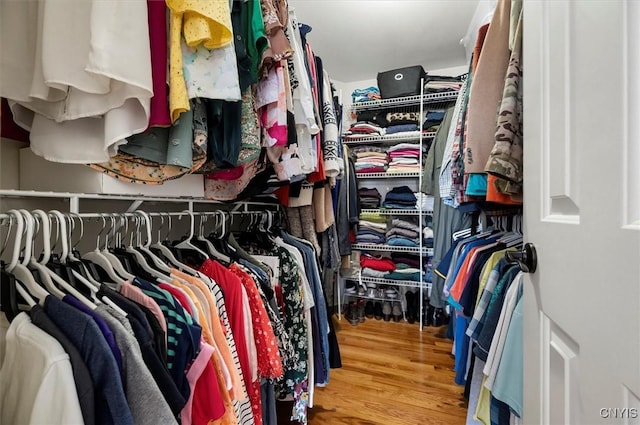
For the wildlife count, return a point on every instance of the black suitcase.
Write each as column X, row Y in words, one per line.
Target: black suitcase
column 401, row 82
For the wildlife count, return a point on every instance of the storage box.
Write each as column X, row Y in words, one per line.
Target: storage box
column 36, row 173
column 401, row 82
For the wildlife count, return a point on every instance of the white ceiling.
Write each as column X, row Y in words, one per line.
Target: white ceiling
column 358, row 38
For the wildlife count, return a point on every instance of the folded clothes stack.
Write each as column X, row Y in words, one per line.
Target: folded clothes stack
column 370, row 159
column 433, row 120
column 404, row 260
column 403, row 130
column 364, row 129
column 401, row 197
column 376, row 266
column 404, row 158
column 371, row 232
column 364, row 95
column 403, row 232
column 408, row 268
column 440, row 84
column 370, row 198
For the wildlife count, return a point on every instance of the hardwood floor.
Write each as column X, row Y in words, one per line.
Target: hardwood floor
column 391, row 374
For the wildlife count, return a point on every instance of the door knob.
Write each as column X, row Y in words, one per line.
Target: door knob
column 527, row 259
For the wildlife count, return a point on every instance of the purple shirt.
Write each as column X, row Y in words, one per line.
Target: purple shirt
column 104, row 328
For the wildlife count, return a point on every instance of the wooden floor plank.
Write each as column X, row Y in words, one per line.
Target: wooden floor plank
column 391, row 375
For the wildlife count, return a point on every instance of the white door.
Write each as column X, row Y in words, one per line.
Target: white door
column 582, row 211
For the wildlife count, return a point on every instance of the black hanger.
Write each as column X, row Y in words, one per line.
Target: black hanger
column 8, row 294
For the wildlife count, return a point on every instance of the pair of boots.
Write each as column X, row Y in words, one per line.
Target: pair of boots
column 431, row 316
column 413, row 306
column 354, row 312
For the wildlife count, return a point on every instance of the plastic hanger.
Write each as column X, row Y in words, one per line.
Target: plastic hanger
column 85, row 278
column 186, row 244
column 157, row 262
column 111, row 257
column 169, row 255
column 19, row 271
column 54, row 277
column 43, row 271
column 99, row 259
column 140, row 259
column 88, row 281
column 210, row 248
column 25, row 294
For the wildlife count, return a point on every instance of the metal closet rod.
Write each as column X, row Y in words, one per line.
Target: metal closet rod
column 4, row 216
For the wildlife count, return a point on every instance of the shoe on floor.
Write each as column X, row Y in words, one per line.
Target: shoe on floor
column 368, row 309
column 411, row 312
column 361, row 310
column 386, row 311
column 397, row 312
column 377, row 310
column 352, row 313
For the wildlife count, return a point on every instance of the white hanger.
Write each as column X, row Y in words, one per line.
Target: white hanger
column 25, row 295
column 43, row 271
column 62, row 223
column 144, row 246
column 169, row 255
column 20, row 272
column 142, row 261
column 99, row 259
column 212, row 249
column 186, row 244
column 89, row 282
column 112, row 258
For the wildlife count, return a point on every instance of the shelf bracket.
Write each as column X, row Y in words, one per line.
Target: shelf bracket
column 134, row 205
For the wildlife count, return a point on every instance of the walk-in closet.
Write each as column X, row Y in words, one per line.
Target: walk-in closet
column 319, row 212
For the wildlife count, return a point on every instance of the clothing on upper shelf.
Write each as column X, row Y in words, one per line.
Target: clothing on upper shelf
column 364, row 95
column 369, row 198
column 401, row 197
column 370, row 159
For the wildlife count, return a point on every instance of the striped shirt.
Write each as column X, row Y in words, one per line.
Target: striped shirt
column 183, row 334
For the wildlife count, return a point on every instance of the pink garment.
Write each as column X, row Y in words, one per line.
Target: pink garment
column 271, row 100
column 404, row 152
column 157, row 18
column 134, row 293
column 207, row 405
column 371, row 170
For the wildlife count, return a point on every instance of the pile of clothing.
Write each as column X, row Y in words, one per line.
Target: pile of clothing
column 364, row 129
column 404, row 158
column 364, row 95
column 404, row 232
column 441, row 84
column 407, row 268
column 371, row 229
column 432, row 121
column 370, row 198
column 370, row 159
column 376, row 266
column 401, row 197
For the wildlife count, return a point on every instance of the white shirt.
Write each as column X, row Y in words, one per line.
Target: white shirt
column 36, row 379
column 77, row 74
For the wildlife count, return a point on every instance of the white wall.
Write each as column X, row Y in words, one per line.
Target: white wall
column 9, row 163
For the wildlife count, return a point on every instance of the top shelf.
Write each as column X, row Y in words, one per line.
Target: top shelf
column 406, row 101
